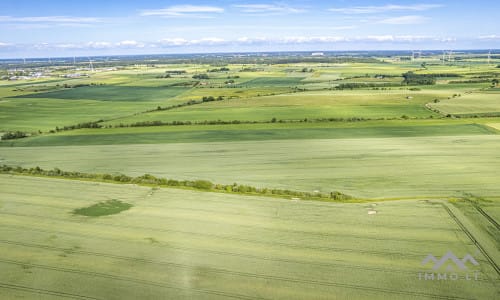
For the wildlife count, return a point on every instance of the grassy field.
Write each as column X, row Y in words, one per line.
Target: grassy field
column 474, row 103
column 420, row 161
column 259, row 132
column 269, row 91
column 185, row 244
column 365, row 167
column 312, row 105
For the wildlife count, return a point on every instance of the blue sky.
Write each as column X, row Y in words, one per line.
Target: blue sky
column 90, row 27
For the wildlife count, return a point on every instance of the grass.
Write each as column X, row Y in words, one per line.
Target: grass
column 253, row 132
column 113, row 93
column 81, row 239
column 186, row 244
column 255, row 96
column 474, row 103
column 105, row 208
column 388, row 167
column 325, row 104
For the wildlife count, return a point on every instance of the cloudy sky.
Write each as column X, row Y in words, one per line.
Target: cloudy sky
column 91, row 27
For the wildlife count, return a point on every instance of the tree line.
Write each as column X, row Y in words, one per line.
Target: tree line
column 204, row 185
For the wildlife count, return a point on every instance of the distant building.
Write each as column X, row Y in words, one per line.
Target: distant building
column 317, row 54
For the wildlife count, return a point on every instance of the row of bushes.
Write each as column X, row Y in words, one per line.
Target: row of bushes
column 273, row 120
column 410, row 78
column 205, row 185
column 14, row 135
column 356, row 85
column 80, row 126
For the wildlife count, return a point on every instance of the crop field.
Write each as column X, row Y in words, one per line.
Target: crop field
column 364, row 167
column 186, row 244
column 259, row 132
column 312, row 105
column 250, row 177
column 475, row 103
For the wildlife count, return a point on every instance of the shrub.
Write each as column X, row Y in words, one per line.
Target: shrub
column 203, row 184
column 14, row 135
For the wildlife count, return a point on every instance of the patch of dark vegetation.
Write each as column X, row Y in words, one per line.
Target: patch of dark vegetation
column 469, row 81
column 116, row 206
column 79, row 85
column 475, row 115
column 410, row 78
column 201, row 76
column 105, row 208
column 273, row 120
column 78, row 126
column 176, row 72
column 445, row 75
column 223, row 69
column 14, row 135
column 355, row 85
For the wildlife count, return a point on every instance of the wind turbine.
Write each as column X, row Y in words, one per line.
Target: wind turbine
column 418, row 53
column 489, row 57
column 91, row 65
column 450, row 54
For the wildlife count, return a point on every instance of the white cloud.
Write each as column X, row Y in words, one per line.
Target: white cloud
column 384, row 8
column 489, row 37
column 130, row 44
column 183, row 11
column 219, row 44
column 49, row 21
column 174, row 42
column 178, row 42
column 403, row 20
column 208, row 41
column 266, row 9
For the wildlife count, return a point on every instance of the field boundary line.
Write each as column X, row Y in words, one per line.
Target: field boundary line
column 45, row 292
column 123, row 278
column 289, row 231
column 482, row 212
column 278, row 278
column 473, row 239
column 234, row 254
column 245, row 240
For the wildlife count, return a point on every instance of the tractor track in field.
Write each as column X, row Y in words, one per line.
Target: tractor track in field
column 244, row 240
column 473, row 239
column 234, row 273
column 486, row 215
column 240, row 255
column 253, row 227
column 129, row 279
column 267, row 217
column 45, row 292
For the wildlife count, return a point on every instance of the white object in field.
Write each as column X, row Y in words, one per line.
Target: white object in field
column 372, row 212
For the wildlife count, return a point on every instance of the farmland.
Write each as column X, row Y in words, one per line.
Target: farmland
column 417, row 161
column 184, row 244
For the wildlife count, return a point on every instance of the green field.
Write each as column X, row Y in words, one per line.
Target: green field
column 367, row 167
column 311, row 105
column 470, row 104
column 175, row 244
column 418, row 165
column 259, row 132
